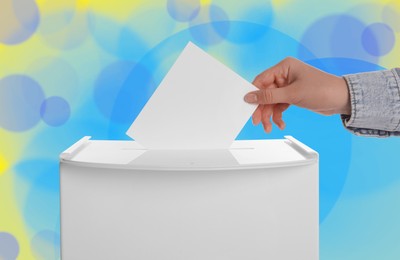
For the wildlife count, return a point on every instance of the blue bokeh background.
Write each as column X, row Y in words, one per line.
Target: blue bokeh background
column 78, row 68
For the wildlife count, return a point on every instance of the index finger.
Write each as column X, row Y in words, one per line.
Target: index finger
column 264, row 79
column 269, row 76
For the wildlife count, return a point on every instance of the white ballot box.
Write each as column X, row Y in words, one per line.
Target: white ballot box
column 257, row 200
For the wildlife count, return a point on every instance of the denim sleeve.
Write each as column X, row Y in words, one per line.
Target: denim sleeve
column 375, row 103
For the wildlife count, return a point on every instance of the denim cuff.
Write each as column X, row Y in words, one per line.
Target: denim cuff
column 375, row 103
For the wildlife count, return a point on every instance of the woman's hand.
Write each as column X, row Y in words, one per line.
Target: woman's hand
column 292, row 82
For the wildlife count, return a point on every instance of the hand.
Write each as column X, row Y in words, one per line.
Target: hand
column 292, row 82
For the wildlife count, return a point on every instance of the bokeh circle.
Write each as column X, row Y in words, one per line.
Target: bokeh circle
column 19, row 20
column 336, row 36
column 183, row 10
column 378, row 39
column 55, row 111
column 20, row 100
column 9, row 247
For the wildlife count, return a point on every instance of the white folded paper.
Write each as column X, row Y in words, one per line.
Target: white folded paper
column 198, row 105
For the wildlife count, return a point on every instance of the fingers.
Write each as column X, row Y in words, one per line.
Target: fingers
column 263, row 114
column 266, row 118
column 257, row 115
column 269, row 96
column 276, row 93
column 269, row 76
column 264, row 79
column 279, row 108
column 277, row 115
column 281, row 81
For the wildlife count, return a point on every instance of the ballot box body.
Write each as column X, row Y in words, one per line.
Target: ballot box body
column 258, row 200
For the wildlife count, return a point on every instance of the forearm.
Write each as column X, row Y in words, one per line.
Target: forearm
column 375, row 103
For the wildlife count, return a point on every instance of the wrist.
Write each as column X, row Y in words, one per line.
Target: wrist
column 345, row 107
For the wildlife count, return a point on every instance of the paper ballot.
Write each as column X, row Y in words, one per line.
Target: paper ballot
column 198, row 105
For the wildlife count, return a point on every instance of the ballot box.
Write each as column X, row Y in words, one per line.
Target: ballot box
column 257, row 200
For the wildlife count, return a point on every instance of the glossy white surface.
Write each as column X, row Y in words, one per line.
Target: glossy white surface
column 147, row 213
column 241, row 154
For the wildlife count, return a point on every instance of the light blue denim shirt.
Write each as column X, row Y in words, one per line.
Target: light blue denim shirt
column 375, row 103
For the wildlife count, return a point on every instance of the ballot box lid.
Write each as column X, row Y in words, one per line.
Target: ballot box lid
column 242, row 154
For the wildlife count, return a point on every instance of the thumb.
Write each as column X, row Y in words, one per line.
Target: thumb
column 268, row 96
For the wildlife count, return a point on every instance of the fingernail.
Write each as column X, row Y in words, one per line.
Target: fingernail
column 267, row 128
column 250, row 98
